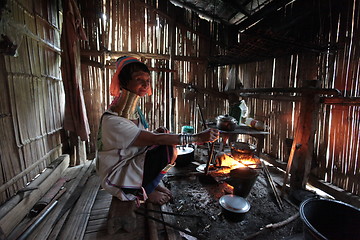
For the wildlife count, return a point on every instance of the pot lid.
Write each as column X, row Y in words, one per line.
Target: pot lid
column 234, row 203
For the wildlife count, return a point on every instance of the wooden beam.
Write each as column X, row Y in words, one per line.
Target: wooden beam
column 336, row 192
column 274, row 97
column 262, row 13
column 341, row 100
column 190, row 59
column 199, row 12
column 171, row 18
column 91, row 63
column 303, row 90
column 117, row 54
column 201, row 90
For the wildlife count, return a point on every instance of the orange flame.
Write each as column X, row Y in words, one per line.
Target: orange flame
column 228, row 163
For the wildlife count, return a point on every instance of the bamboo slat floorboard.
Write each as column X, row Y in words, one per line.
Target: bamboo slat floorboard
column 76, row 224
column 97, row 223
column 97, row 228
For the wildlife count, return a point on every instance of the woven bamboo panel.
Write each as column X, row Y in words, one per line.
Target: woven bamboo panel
column 33, row 92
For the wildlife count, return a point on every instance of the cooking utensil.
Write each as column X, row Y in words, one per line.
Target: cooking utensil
column 185, row 156
column 243, row 180
column 226, row 122
column 234, row 207
column 210, row 146
column 241, row 150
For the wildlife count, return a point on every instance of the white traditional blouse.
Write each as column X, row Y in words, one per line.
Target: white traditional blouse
column 119, row 164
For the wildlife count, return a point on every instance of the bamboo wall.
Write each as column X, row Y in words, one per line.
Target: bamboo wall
column 32, row 96
column 336, row 154
column 173, row 42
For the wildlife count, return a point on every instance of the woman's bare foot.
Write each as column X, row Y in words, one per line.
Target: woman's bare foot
column 158, row 197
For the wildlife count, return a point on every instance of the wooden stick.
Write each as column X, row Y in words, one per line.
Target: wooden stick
column 273, row 226
column 278, row 198
column 210, row 158
column 168, row 224
column 306, row 90
column 290, row 160
column 211, row 148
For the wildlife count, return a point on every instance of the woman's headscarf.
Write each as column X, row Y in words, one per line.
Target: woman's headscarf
column 115, row 88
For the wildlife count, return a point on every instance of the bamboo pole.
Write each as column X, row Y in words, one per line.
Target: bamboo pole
column 15, row 215
column 23, row 193
column 80, row 175
column 272, row 185
column 28, row 169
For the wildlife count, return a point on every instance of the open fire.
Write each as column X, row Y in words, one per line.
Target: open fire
column 225, row 163
column 240, row 172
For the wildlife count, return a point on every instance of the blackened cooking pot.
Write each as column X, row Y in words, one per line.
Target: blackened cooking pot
column 243, row 180
column 326, row 219
column 185, row 156
column 234, row 207
column 241, row 150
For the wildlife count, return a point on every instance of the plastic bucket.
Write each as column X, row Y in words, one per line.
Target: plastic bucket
column 327, row 219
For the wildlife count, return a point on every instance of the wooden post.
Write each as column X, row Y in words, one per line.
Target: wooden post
column 303, row 144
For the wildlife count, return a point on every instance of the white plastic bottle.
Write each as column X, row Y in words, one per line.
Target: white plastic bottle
column 258, row 125
column 244, row 111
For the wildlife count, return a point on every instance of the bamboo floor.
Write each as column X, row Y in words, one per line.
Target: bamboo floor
column 81, row 212
column 145, row 228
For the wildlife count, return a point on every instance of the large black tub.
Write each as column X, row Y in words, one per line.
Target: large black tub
column 326, row 219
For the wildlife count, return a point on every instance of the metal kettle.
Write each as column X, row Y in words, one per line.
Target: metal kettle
column 226, row 122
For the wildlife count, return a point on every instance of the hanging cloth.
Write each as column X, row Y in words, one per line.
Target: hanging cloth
column 75, row 119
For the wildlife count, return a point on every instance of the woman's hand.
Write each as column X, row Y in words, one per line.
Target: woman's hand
column 208, row 135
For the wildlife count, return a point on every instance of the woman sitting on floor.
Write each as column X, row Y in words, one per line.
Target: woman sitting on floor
column 132, row 160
